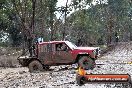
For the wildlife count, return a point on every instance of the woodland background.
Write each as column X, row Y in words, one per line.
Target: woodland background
column 103, row 22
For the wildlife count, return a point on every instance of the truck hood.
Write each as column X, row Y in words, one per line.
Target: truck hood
column 87, row 48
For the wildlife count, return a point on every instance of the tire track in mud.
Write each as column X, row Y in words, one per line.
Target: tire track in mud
column 55, row 79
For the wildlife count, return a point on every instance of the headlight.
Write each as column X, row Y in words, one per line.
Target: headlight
column 97, row 51
column 94, row 52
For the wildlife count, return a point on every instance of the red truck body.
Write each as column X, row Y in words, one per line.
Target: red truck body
column 59, row 53
column 49, row 52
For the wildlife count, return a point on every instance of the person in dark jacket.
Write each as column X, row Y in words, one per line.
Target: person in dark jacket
column 29, row 44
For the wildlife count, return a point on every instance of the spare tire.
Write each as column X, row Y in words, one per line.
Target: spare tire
column 86, row 62
column 35, row 66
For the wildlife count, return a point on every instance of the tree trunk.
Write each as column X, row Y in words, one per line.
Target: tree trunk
column 65, row 25
column 130, row 36
column 33, row 15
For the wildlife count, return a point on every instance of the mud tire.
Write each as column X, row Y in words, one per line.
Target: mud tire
column 86, row 62
column 35, row 66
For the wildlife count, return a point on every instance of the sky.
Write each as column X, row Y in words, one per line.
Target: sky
column 61, row 3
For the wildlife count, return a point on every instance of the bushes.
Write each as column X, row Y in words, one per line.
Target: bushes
column 8, row 57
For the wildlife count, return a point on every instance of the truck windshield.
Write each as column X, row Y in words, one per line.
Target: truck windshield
column 71, row 45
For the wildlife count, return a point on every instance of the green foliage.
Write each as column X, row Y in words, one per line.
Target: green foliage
column 100, row 22
column 9, row 22
column 93, row 25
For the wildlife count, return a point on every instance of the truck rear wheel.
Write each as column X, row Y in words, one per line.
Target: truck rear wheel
column 35, row 66
column 86, row 62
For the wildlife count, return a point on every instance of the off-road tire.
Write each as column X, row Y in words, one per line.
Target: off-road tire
column 35, row 66
column 86, row 62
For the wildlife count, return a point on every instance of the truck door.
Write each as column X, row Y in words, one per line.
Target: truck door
column 45, row 54
column 62, row 54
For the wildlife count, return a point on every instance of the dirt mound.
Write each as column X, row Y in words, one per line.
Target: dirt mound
column 121, row 51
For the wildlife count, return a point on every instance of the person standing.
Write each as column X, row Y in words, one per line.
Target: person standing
column 30, row 44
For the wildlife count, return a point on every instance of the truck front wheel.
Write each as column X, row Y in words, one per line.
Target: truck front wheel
column 86, row 62
column 35, row 66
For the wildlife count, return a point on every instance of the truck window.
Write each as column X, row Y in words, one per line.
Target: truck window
column 61, row 47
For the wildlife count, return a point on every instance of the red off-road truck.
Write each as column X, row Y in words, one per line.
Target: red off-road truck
column 55, row 53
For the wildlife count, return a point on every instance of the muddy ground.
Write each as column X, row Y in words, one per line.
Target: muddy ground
column 65, row 76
